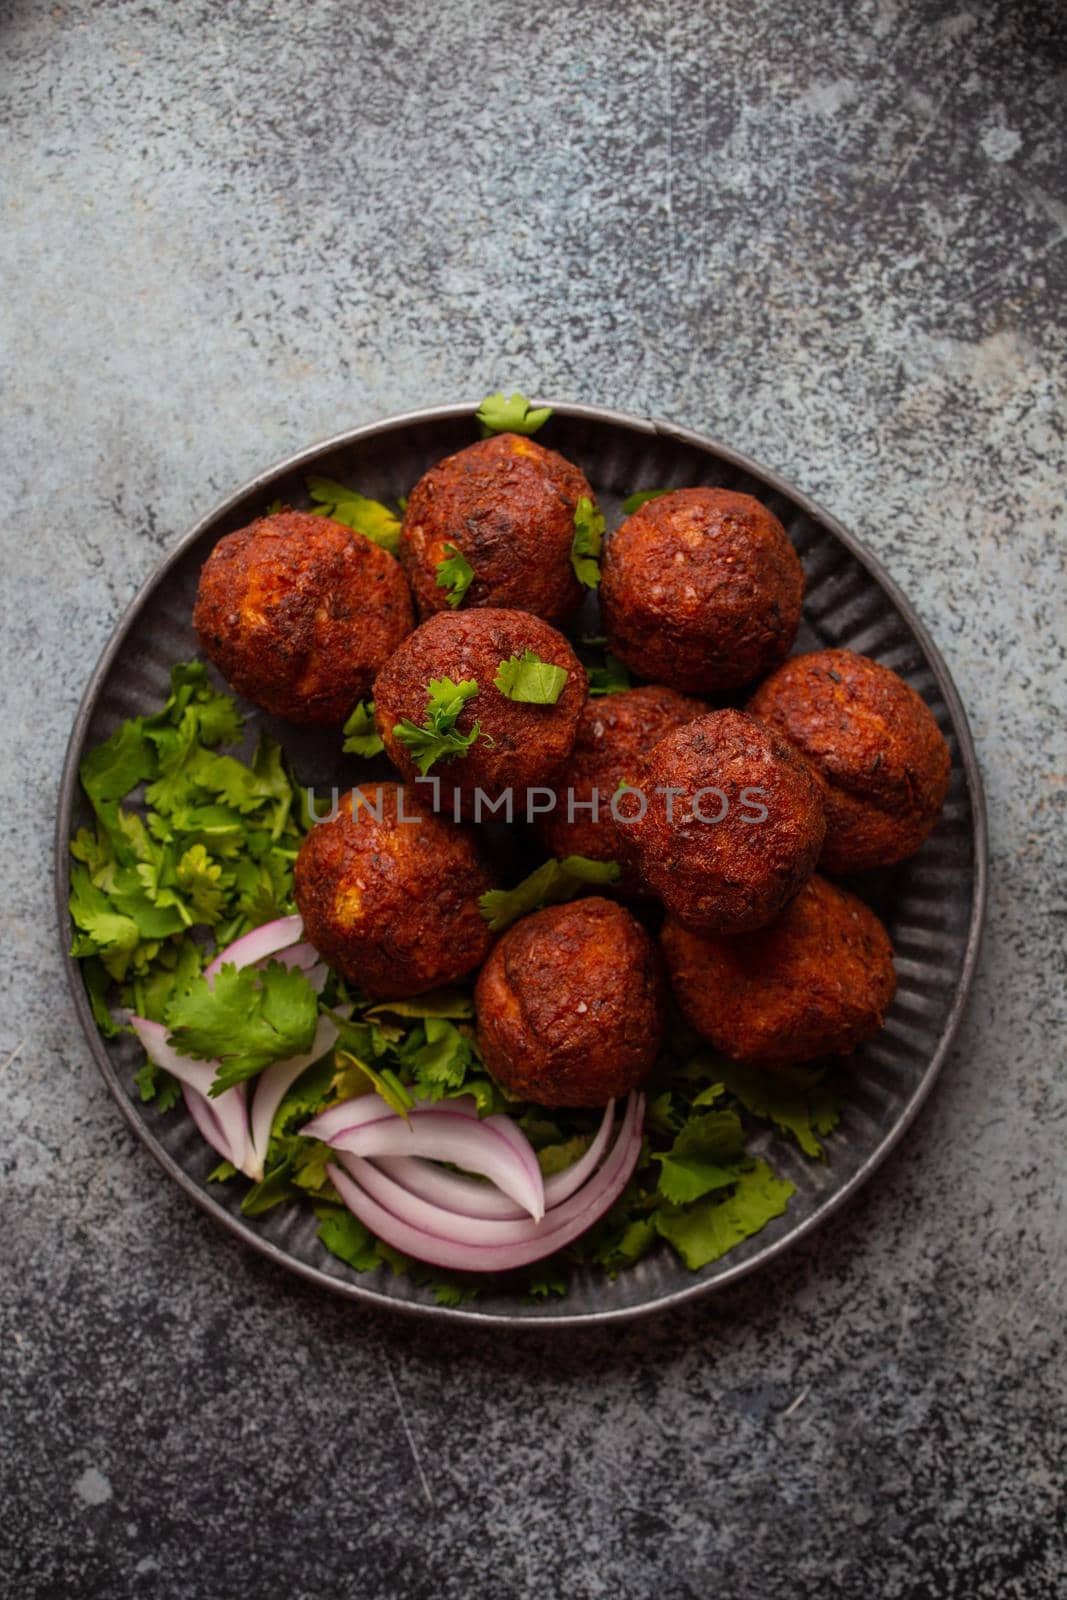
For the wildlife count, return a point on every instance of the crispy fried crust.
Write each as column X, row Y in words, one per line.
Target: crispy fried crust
column 298, row 613
column 614, row 732
column 818, row 981
column 734, row 874
column 571, row 1005
column 884, row 759
column 528, row 742
column 507, row 504
column 393, row 904
column 701, row 589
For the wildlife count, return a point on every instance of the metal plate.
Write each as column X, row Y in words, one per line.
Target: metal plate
column 933, row 905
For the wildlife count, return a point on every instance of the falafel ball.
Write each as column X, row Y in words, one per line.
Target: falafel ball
column 818, row 981
column 298, row 613
column 389, row 893
column 614, row 732
column 571, row 1005
column 701, row 589
column 519, row 744
column 874, row 740
column 727, row 825
column 506, row 505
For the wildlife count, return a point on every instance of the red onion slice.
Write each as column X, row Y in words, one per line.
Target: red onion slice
column 451, row 1250
column 371, row 1107
column 561, row 1185
column 272, row 1085
column 260, row 943
column 229, row 1107
column 464, row 1141
column 208, row 1124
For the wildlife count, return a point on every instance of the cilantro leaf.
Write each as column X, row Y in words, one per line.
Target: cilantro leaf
column 354, row 510
column 708, row 1229
column 530, row 680
column 360, row 735
column 156, row 1083
column 346, row 1238
column 455, row 574
column 437, row 739
column 611, row 678
column 515, row 415
column 799, row 1106
column 442, row 1061
column 707, row 1154
column 635, row 501
column 548, row 885
column 438, row 1003
column 245, row 1020
column 588, row 541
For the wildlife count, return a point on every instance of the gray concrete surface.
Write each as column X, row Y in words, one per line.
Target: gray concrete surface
column 832, row 234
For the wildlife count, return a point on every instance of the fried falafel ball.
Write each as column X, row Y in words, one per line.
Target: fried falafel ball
column 519, row 745
column 614, row 732
column 571, row 1004
column 875, row 742
column 701, row 589
column 727, row 823
column 506, row 505
column 389, row 893
column 818, row 981
column 298, row 613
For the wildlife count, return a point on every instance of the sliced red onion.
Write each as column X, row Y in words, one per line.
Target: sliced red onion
column 260, row 943
column 462, row 1140
column 229, row 1107
column 271, row 1088
column 203, row 1114
column 370, row 1107
column 454, row 1247
column 561, row 1185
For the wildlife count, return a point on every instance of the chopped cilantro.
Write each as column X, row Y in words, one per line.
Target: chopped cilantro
column 515, row 415
column 635, row 501
column 437, row 738
column 455, row 574
column 246, row 1019
column 707, row 1230
column 611, row 678
column 360, row 734
column 589, row 525
column 368, row 517
column 549, row 884
column 530, row 680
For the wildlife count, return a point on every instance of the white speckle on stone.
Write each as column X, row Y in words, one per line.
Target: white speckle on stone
column 1000, row 144
column 827, row 99
column 147, row 1564
column 92, row 1487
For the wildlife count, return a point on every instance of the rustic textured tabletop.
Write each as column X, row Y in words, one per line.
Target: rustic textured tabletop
column 831, row 235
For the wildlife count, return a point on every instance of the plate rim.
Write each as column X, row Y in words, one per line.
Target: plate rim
column 357, row 1291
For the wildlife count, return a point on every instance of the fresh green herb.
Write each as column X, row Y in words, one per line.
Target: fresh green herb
column 797, row 1102
column 346, row 1237
column 635, row 501
column 588, row 541
column 271, row 511
column 708, row 1229
column 529, row 679
column 360, row 734
column 551, row 883
column 611, row 678
column 515, row 415
column 455, row 574
column 437, row 738
column 245, row 1019
column 368, row 517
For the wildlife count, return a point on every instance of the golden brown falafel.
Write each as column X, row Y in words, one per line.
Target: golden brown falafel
column 298, row 613
column 884, row 760
column 614, row 733
column 701, row 589
column 726, row 825
column 817, row 981
column 391, row 902
column 520, row 744
column 570, row 1005
column 507, row 506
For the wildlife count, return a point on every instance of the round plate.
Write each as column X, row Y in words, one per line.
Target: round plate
column 932, row 905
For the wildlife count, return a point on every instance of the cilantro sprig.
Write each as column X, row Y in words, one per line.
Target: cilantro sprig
column 514, row 414
column 610, row 678
column 588, row 541
column 548, row 885
column 361, row 737
column 528, row 679
column 640, row 498
column 245, row 1019
column 437, row 738
column 357, row 511
column 454, row 573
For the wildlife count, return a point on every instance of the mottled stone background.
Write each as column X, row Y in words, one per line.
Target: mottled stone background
column 832, row 234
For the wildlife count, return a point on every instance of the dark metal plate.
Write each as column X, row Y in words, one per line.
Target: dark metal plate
column 933, row 905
